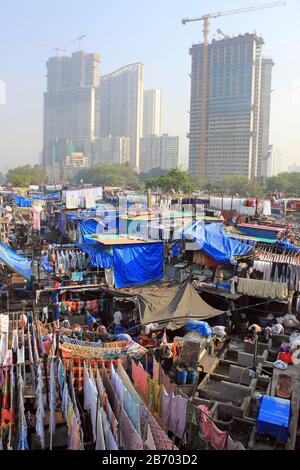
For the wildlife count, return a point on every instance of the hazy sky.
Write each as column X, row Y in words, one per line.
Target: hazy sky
column 127, row 31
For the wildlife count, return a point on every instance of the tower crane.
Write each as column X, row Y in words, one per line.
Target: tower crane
column 79, row 39
column 221, row 33
column 56, row 49
column 206, row 19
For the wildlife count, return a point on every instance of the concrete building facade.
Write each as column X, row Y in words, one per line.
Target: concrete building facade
column 152, row 113
column 238, row 108
column 112, row 150
column 159, row 152
column 122, row 96
column 71, row 105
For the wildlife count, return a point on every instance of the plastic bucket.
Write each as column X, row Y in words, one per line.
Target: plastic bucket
column 191, row 376
column 181, row 376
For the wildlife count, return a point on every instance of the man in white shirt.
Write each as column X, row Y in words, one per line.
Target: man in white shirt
column 118, row 317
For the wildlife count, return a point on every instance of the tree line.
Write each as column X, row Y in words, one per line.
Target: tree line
column 158, row 180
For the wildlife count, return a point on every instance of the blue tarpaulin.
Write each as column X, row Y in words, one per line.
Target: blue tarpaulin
column 88, row 227
column 201, row 327
column 215, row 243
column 288, row 246
column 20, row 201
column 138, row 264
column 45, row 265
column 99, row 256
column 274, row 418
column 16, row 262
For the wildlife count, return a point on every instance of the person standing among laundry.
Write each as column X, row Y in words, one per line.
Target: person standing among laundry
column 118, row 322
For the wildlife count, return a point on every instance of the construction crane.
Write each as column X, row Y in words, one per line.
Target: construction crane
column 79, row 39
column 206, row 19
column 56, row 49
column 221, row 33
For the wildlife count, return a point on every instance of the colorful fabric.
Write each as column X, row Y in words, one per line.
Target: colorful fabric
column 167, row 382
column 140, row 378
column 218, row 438
column 132, row 409
column 126, row 380
column 129, row 438
column 195, row 441
column 154, row 395
column 160, row 438
column 108, row 387
column 210, row 432
column 156, row 370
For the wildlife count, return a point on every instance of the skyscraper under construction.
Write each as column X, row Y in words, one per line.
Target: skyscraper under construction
column 237, row 84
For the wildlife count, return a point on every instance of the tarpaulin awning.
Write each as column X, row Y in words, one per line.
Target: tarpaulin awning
column 215, row 243
column 138, row 264
column 88, row 228
column 16, row 262
column 99, row 257
column 171, row 305
column 20, row 201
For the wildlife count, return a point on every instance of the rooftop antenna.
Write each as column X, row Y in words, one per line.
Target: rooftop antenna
column 79, row 39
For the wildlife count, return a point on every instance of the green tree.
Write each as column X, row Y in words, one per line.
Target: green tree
column 175, row 180
column 24, row 176
column 288, row 183
column 110, row 175
column 154, row 173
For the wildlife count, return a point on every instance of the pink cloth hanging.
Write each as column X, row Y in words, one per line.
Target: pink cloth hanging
column 216, row 438
column 140, row 378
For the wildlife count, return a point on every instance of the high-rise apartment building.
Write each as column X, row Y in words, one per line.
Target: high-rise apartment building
column 71, row 105
column 238, row 88
column 122, row 95
column 152, row 113
column 159, row 152
column 264, row 149
column 112, row 150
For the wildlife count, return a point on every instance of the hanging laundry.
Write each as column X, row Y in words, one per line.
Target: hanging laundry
column 177, row 418
column 216, row 438
column 156, row 370
column 140, row 378
column 52, row 399
column 129, row 438
column 262, row 289
column 40, row 411
column 91, row 404
column 149, row 444
column 233, row 445
column 160, row 438
column 154, row 395
column 22, row 425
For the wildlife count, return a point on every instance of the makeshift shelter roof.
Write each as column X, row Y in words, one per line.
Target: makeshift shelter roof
column 170, row 305
column 16, row 262
column 215, row 243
